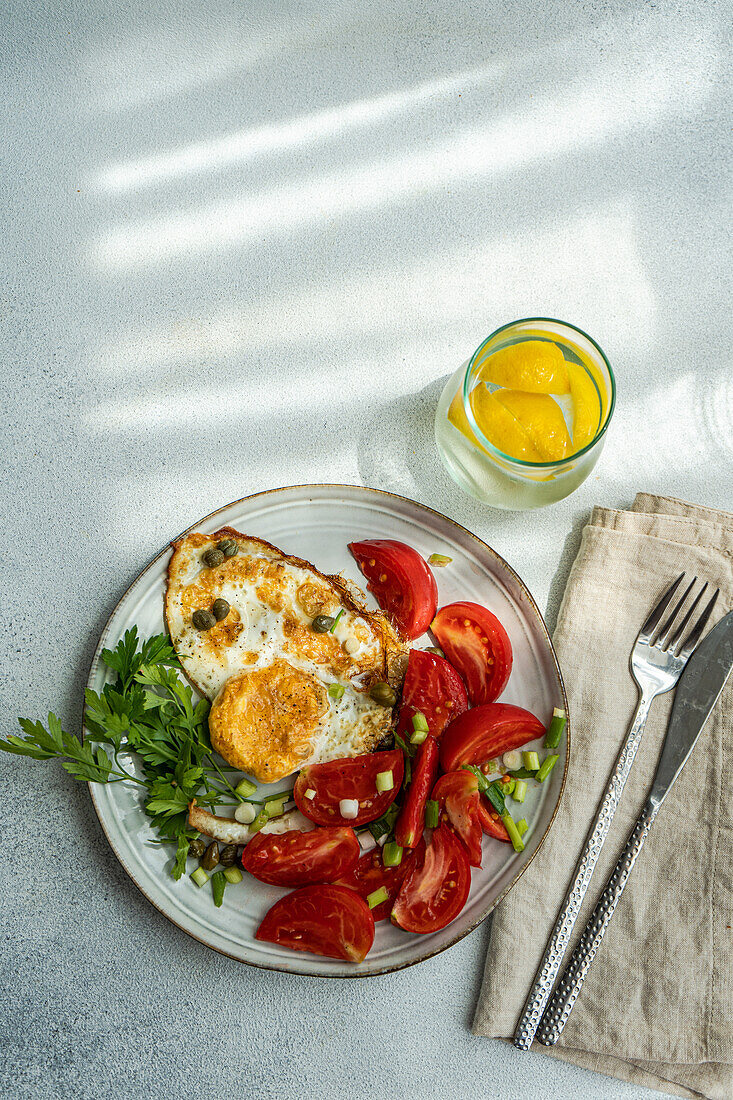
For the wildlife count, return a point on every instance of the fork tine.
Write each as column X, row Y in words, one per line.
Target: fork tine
column 668, row 625
column 702, row 622
column 657, row 612
column 676, row 637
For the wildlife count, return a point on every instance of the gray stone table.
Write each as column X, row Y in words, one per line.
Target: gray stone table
column 244, row 243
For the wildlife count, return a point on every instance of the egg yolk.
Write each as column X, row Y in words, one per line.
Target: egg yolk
column 263, row 721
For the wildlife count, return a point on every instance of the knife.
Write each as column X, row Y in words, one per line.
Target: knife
column 697, row 693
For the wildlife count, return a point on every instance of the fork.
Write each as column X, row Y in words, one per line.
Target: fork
column 656, row 666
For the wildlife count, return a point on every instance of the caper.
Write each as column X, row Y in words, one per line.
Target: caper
column 212, row 557
column 203, row 620
column 196, row 848
column 228, row 855
column 322, row 624
column 383, row 693
column 210, row 857
column 228, row 547
column 434, row 649
column 220, row 609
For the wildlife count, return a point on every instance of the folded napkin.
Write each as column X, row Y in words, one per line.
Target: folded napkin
column 657, row 1004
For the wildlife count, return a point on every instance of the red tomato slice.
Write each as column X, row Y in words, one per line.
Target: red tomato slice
column 411, row 822
column 298, row 859
column 485, row 732
column 401, row 581
column 491, row 823
column 433, row 687
column 325, row 920
column 370, row 873
column 478, row 645
column 457, row 794
column 436, row 887
column 352, row 778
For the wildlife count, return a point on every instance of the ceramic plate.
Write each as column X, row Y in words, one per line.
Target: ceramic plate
column 316, row 522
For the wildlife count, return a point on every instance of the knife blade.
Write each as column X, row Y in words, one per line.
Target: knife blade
column 697, row 693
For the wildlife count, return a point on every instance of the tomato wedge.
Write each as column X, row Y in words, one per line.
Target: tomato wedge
column 411, row 822
column 491, row 823
column 370, row 873
column 457, row 794
column 401, row 581
column 324, row 920
column 436, row 887
column 474, row 640
column 433, row 687
column 485, row 732
column 299, row 859
column 354, row 778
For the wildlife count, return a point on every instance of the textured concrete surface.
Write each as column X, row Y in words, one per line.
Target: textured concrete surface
column 246, row 243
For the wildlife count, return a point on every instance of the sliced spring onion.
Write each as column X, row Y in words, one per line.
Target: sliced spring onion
column 546, row 767
column 218, row 886
column 404, row 746
column 495, row 795
column 383, row 826
column 377, row 897
column 245, row 788
column 262, row 818
column 512, row 759
column 275, row 806
column 232, row 874
column 514, row 834
column 556, row 728
column 245, row 813
column 432, row 814
column 531, row 761
column 349, row 808
column 419, row 721
column 391, row 854
column 435, row 650
column 384, row 781
column 439, row 559
column 507, row 786
column 199, row 876
column 335, row 621
column 520, row 790
column 418, row 737
column 522, row 826
column 335, row 691
column 367, row 843
column 310, row 793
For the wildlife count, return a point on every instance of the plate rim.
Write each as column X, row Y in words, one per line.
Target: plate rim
column 392, row 968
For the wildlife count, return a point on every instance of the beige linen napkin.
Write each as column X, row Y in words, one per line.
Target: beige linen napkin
column 657, row 1004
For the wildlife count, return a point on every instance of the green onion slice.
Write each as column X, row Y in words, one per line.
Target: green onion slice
column 384, row 781
column 418, row 737
column 522, row 826
column 546, row 767
column 391, row 854
column 556, row 729
column 245, row 788
column 335, row 691
column 432, row 814
column 232, row 874
column 419, row 721
column 274, row 807
column 439, row 559
column 514, row 835
column 520, row 790
column 199, row 876
column 335, row 621
column 377, row 897
column 531, row 761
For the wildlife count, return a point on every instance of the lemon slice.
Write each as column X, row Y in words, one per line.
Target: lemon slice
column 542, row 420
column 533, row 366
column 501, row 427
column 586, row 406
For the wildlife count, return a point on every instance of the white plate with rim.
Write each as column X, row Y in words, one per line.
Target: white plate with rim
column 315, row 522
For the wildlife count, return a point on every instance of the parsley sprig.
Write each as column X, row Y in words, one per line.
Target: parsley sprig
column 150, row 712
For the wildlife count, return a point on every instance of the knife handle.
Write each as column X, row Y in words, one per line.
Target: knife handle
column 562, row 1002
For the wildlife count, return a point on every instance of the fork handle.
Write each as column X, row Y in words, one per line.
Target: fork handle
column 566, row 994
column 558, row 942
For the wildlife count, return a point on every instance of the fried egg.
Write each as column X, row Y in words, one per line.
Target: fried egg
column 266, row 670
